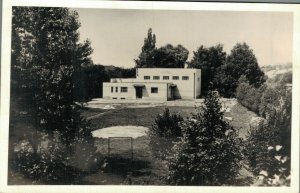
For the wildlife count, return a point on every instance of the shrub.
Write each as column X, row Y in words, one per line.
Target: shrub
column 248, row 95
column 165, row 129
column 209, row 151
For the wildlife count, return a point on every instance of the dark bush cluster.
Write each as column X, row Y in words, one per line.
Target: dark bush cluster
column 165, row 130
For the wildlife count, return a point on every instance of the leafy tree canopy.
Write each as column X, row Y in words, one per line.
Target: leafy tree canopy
column 208, row 60
column 168, row 56
column 45, row 54
column 241, row 61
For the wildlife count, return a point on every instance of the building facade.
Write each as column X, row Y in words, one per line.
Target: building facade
column 156, row 83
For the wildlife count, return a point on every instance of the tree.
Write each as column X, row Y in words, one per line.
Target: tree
column 209, row 151
column 168, row 56
column 241, row 61
column 45, row 54
column 165, row 130
column 208, row 60
column 148, row 47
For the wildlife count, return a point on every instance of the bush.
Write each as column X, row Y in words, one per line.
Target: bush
column 49, row 165
column 248, row 95
column 164, row 131
column 209, row 151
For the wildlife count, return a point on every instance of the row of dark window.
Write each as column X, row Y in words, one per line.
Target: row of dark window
column 123, row 89
column 166, row 77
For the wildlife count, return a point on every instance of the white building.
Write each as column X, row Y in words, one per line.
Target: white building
column 156, row 83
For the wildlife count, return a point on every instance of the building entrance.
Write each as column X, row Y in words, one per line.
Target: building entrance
column 139, row 92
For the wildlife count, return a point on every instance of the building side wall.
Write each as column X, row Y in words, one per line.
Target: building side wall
column 162, row 93
column 130, row 94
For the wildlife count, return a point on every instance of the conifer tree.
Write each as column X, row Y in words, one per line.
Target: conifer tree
column 209, row 151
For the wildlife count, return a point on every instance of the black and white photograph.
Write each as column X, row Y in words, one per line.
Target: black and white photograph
column 151, row 96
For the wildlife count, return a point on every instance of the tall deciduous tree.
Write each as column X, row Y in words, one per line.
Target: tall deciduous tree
column 45, row 54
column 209, row 151
column 208, row 60
column 168, row 57
column 148, row 47
column 241, row 61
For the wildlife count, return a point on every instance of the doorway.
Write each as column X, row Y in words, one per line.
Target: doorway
column 139, row 92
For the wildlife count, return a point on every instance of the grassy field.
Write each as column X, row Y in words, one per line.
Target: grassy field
column 135, row 116
column 145, row 116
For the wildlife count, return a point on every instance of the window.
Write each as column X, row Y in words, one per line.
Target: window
column 117, row 89
column 155, row 77
column 185, row 78
column 112, row 89
column 154, row 90
column 175, row 77
column 123, row 89
column 146, row 77
column 165, row 77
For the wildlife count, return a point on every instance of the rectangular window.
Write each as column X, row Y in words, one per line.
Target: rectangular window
column 146, row 77
column 185, row 78
column 112, row 89
column 165, row 77
column 155, row 77
column 154, row 90
column 123, row 89
column 175, row 77
column 117, row 89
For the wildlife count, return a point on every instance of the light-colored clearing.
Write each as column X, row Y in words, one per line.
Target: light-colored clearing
column 121, row 131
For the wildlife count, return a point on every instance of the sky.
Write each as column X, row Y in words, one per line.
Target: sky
column 117, row 35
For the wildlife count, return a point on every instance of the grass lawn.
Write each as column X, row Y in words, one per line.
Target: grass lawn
column 88, row 112
column 145, row 116
column 135, row 116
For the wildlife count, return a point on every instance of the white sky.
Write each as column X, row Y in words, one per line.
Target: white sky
column 118, row 35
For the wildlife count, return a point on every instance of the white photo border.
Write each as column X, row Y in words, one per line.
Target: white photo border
column 203, row 6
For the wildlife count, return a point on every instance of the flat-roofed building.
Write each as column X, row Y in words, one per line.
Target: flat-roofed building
column 156, row 83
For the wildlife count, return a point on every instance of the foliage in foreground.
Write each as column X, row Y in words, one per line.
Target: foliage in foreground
column 209, row 151
column 46, row 53
column 268, row 147
column 164, row 131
